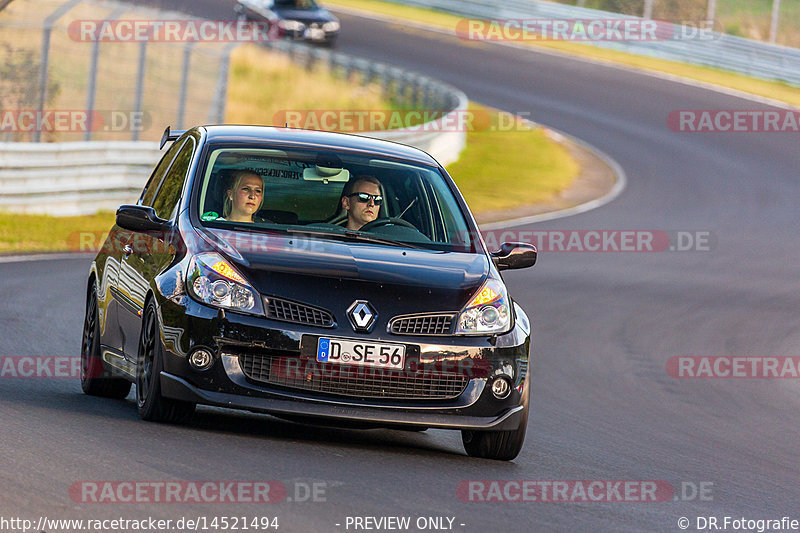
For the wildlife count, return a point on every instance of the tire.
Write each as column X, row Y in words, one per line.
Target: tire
column 499, row 445
column 149, row 363
column 95, row 381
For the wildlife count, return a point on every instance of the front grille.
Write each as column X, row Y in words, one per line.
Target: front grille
column 350, row 380
column 433, row 324
column 288, row 311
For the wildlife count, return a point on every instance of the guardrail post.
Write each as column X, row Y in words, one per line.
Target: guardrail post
column 216, row 114
column 187, row 59
column 331, row 62
column 310, row 60
column 44, row 58
column 137, row 102
column 386, row 83
column 648, row 9
column 90, row 92
column 773, row 27
column 87, row 135
column 348, row 69
column 43, row 64
column 428, row 97
column 418, row 93
column 368, row 75
column 711, row 12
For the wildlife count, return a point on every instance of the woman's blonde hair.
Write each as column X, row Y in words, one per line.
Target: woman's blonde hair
column 236, row 180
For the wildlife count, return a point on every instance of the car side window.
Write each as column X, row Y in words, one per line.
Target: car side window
column 150, row 189
column 169, row 193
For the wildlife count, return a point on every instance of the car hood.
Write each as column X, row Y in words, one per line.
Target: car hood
column 333, row 274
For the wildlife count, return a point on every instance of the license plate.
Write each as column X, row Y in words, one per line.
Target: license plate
column 315, row 34
column 353, row 352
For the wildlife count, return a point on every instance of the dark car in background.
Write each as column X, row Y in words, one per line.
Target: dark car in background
column 402, row 323
column 298, row 20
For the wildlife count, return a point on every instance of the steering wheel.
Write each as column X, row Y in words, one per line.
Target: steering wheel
column 380, row 222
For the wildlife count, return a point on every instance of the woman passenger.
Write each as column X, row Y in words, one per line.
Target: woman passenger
column 244, row 198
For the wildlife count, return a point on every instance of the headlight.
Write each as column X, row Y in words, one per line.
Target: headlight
column 488, row 312
column 213, row 281
column 291, row 25
column 330, row 26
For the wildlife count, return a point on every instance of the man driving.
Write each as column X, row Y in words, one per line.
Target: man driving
column 362, row 200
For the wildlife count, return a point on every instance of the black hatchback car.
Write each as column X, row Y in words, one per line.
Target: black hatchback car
column 297, row 20
column 314, row 276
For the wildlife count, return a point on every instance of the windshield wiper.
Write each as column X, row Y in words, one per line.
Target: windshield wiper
column 367, row 237
column 252, row 228
column 352, row 235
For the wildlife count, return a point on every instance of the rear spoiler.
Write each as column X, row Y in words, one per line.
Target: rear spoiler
column 170, row 136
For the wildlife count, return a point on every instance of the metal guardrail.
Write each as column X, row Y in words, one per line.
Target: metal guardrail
column 75, row 178
column 726, row 52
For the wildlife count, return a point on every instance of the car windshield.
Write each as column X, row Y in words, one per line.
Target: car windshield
column 316, row 193
column 305, row 5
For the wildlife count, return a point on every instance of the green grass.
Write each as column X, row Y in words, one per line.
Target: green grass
column 506, row 169
column 43, row 233
column 264, row 85
column 770, row 89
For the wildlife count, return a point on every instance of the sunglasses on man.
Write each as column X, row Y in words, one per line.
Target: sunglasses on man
column 364, row 197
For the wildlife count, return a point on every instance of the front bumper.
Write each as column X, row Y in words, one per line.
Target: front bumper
column 180, row 389
column 187, row 325
column 311, row 35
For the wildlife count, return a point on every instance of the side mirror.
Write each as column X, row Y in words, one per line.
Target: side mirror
column 512, row 255
column 140, row 218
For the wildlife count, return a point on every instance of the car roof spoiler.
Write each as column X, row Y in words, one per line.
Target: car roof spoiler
column 170, row 136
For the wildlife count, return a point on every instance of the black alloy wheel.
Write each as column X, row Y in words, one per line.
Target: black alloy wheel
column 95, row 381
column 150, row 403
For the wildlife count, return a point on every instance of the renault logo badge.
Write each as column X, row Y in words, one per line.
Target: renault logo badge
column 362, row 316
